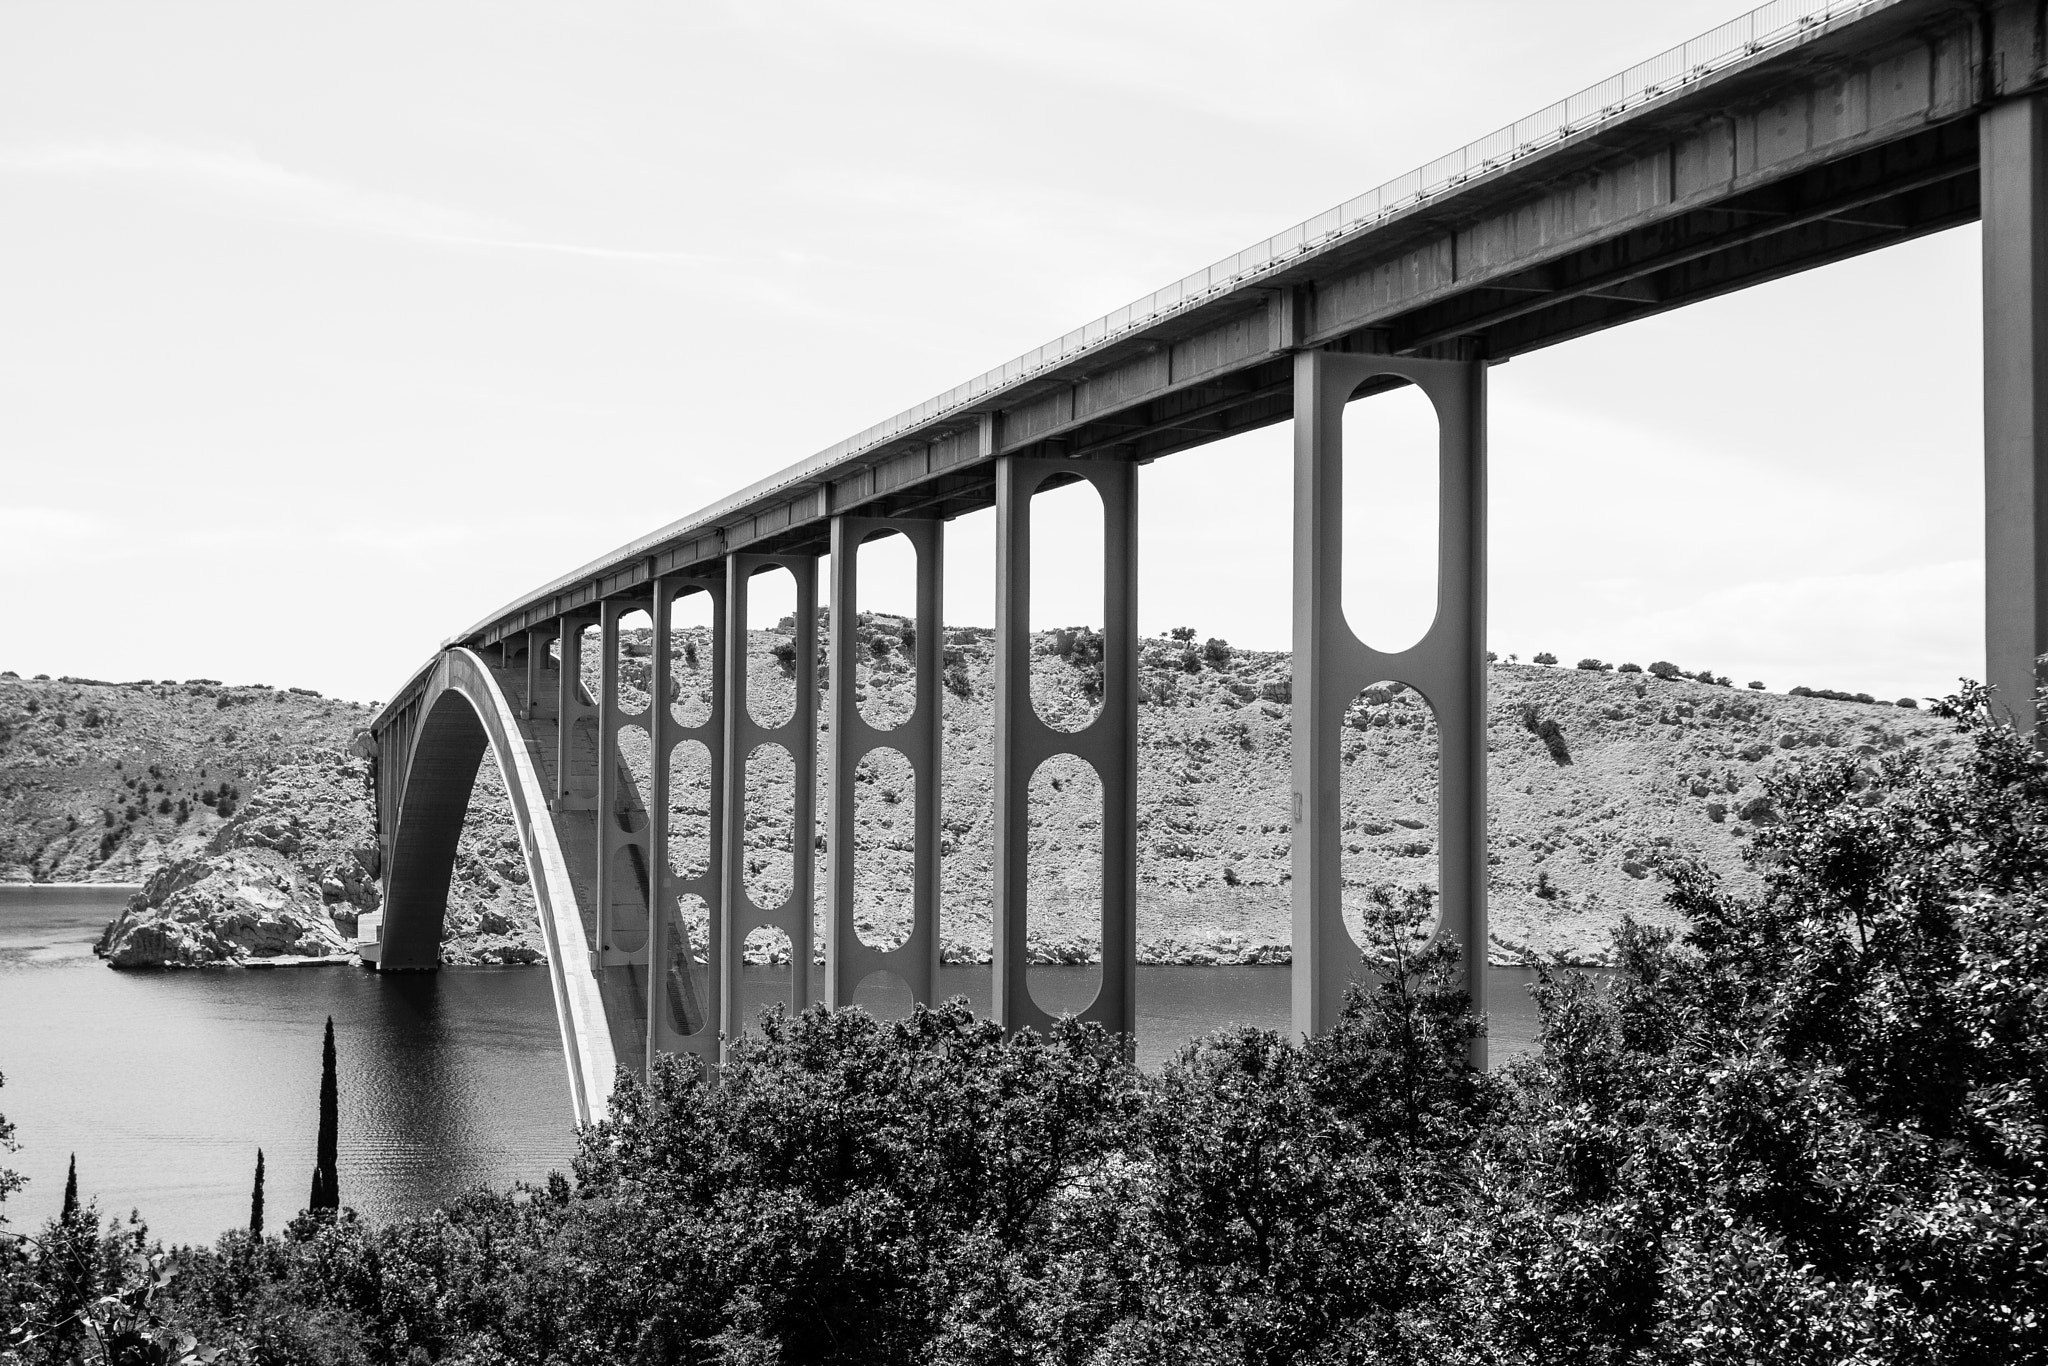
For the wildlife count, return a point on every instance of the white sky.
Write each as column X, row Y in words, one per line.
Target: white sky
column 328, row 329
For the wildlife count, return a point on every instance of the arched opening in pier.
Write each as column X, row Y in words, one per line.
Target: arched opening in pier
column 692, row 658
column 1388, row 810
column 885, row 653
column 768, row 862
column 690, row 798
column 885, row 848
column 1067, row 603
column 772, row 644
column 1390, row 482
column 1063, row 915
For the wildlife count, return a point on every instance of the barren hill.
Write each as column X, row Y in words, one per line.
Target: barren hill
column 1595, row 776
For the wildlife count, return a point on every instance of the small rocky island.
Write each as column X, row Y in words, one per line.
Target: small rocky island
column 284, row 879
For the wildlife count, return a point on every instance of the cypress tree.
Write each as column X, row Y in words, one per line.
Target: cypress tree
column 326, row 1181
column 256, row 1200
column 70, row 1191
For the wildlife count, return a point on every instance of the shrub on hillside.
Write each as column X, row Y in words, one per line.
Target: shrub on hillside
column 1664, row 669
column 1545, row 658
column 1216, row 652
column 1631, row 668
column 1595, row 665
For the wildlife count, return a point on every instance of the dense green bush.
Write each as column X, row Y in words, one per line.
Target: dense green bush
column 1813, row 1127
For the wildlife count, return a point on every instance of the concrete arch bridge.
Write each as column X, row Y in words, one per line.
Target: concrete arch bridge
column 1802, row 133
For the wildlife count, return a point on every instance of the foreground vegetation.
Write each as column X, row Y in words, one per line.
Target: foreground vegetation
column 1813, row 1128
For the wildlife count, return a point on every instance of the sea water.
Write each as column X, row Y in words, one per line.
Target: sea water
column 164, row 1084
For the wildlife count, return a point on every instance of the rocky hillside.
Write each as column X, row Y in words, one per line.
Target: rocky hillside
column 251, row 829
column 107, row 782
column 1596, row 775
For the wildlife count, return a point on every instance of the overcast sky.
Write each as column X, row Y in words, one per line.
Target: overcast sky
column 329, row 329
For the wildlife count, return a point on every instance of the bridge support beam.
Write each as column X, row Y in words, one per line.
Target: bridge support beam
column 919, row 739
column 2013, row 171
column 683, row 1014
column 1331, row 666
column 623, row 829
column 798, row 737
column 1023, row 741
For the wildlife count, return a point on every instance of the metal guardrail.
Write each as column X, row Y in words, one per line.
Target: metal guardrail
column 1762, row 29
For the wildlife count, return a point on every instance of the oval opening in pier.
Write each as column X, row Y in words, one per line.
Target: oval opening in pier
column 769, row 869
column 1066, row 605
column 1388, row 819
column 885, row 848
column 885, row 645
column 689, row 809
column 1063, row 910
column 685, row 984
column 635, row 672
column 772, row 647
column 692, row 662
column 1390, row 517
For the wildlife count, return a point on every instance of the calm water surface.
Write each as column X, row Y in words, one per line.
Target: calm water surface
column 166, row 1083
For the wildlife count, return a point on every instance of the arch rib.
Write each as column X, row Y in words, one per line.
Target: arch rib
column 426, row 829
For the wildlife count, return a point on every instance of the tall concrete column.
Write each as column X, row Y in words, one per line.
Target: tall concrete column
column 1331, row 666
column 1109, row 743
column 683, row 1012
column 2013, row 161
column 622, row 876
column 798, row 737
column 919, row 739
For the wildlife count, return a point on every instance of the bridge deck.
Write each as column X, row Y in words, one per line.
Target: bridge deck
column 1803, row 133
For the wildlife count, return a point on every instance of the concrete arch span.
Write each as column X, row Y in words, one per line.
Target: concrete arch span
column 462, row 709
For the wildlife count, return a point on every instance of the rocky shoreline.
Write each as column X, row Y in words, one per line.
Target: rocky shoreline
column 283, row 882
